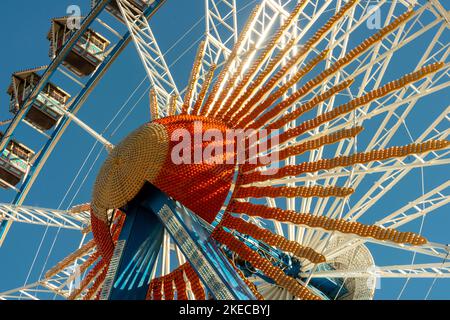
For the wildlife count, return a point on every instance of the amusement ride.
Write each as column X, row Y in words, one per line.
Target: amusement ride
column 345, row 105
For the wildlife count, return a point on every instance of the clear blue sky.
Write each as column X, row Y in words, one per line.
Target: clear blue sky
column 24, row 28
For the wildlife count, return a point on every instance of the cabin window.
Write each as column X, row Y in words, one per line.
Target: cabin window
column 19, row 151
column 91, row 44
column 57, row 95
column 17, row 156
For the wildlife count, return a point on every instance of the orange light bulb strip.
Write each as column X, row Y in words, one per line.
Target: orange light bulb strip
column 89, row 262
column 228, row 63
column 250, row 284
column 194, row 280
column 194, row 77
column 292, row 62
column 345, row 161
column 96, row 255
column 180, row 284
column 328, row 224
column 268, row 237
column 154, row 109
column 267, row 50
column 291, row 116
column 157, row 286
column 96, row 286
column 103, row 263
column 92, row 274
column 291, row 192
column 173, row 104
column 339, row 64
column 205, row 87
column 166, row 284
column 262, row 264
column 279, row 92
column 168, row 287
column 307, row 146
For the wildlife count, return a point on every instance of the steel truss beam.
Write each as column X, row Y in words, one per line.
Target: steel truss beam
column 220, row 36
column 372, row 67
column 45, row 217
column 428, row 270
column 60, row 284
column 150, row 54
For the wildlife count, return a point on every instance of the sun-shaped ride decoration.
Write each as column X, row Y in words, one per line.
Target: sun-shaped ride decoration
column 230, row 101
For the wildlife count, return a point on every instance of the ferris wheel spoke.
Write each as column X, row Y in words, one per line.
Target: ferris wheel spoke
column 221, row 35
column 60, row 281
column 316, row 155
column 64, row 219
column 432, row 249
column 380, row 61
column 395, row 169
column 252, row 80
column 33, row 292
column 427, row 270
column 391, row 177
column 430, row 201
column 150, row 54
column 284, row 54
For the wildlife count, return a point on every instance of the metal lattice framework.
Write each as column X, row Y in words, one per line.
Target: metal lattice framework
column 369, row 71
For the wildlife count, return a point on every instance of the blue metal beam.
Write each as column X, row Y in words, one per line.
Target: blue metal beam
column 202, row 252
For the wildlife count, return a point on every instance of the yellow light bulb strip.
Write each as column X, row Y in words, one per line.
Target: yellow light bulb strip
column 291, row 192
column 90, row 277
column 173, row 104
column 291, row 116
column 360, row 101
column 301, row 148
column 70, row 259
column 256, row 84
column 223, row 102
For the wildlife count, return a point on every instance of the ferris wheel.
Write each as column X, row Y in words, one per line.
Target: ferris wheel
column 341, row 106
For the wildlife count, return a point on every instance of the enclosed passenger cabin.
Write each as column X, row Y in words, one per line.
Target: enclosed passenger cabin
column 113, row 8
column 14, row 162
column 85, row 56
column 45, row 111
